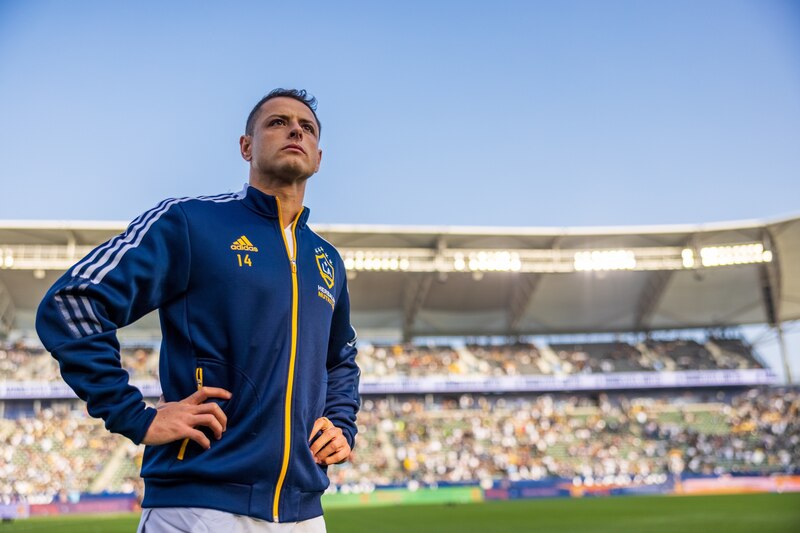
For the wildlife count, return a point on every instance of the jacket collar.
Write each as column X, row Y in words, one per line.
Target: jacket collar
column 266, row 204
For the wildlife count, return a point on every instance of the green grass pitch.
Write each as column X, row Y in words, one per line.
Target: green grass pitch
column 761, row 513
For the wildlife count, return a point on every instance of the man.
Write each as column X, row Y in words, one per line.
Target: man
column 257, row 364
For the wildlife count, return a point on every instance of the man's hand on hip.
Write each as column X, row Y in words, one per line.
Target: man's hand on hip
column 330, row 447
column 178, row 420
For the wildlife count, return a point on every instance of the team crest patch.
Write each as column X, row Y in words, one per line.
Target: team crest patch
column 325, row 267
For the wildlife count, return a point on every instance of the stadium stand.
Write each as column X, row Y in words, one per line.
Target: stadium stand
column 412, row 361
column 58, row 452
column 592, row 440
column 513, row 359
column 556, row 359
column 471, row 438
column 601, row 357
column 22, row 361
column 732, row 353
column 633, row 410
column 683, row 355
column 28, row 362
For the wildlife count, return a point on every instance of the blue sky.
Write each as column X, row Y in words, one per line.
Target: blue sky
column 434, row 112
column 479, row 113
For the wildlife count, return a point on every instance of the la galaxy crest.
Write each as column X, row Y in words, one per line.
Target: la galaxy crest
column 325, row 267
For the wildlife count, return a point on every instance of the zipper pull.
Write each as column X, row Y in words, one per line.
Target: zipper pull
column 198, row 378
column 294, row 266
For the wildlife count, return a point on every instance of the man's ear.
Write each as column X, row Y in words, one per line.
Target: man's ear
column 245, row 147
column 319, row 160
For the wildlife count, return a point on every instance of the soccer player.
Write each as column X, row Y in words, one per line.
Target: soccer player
column 257, row 363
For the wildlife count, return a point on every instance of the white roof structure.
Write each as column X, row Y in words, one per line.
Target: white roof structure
column 408, row 281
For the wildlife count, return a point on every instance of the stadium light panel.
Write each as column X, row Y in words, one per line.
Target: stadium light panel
column 605, row 260
column 58, row 257
column 375, row 260
column 740, row 254
column 459, row 263
column 688, row 258
column 539, row 260
column 492, row 261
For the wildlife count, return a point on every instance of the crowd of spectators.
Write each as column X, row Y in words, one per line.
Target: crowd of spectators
column 55, row 455
column 409, row 360
column 599, row 358
column 509, row 360
column 472, row 438
column 21, row 362
column 681, row 355
column 606, row 439
column 555, row 359
column 58, row 451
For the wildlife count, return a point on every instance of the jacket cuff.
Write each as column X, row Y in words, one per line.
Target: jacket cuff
column 135, row 427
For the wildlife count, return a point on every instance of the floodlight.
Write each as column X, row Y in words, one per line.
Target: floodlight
column 739, row 254
column 688, row 258
column 493, row 261
column 605, row 260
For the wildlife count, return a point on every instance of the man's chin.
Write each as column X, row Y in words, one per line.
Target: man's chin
column 290, row 174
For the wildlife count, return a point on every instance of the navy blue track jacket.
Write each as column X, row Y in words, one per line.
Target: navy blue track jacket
column 237, row 312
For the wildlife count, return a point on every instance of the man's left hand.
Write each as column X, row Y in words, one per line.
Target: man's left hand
column 330, row 447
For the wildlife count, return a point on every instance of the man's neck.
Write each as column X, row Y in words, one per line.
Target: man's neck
column 290, row 195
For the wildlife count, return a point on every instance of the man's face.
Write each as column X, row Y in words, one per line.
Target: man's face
column 285, row 141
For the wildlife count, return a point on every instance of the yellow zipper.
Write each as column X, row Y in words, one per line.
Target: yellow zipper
column 198, row 377
column 287, row 415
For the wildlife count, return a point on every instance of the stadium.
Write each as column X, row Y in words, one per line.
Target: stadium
column 519, row 371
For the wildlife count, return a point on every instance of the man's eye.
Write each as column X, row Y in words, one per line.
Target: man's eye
column 309, row 128
column 276, row 122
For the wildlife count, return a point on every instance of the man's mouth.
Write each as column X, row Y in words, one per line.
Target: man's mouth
column 294, row 147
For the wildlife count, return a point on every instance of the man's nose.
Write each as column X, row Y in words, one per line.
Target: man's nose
column 296, row 131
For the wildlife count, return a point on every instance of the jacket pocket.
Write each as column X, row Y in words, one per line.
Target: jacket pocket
column 243, row 410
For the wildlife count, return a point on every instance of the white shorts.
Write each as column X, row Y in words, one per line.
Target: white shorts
column 200, row 520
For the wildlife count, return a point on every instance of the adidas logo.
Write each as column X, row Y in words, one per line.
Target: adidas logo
column 243, row 243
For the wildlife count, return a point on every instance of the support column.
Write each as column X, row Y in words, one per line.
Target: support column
column 7, row 311
column 787, row 370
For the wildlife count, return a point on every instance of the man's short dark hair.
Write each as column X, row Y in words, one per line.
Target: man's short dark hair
column 299, row 95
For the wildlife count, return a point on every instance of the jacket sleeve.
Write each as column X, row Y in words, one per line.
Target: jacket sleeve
column 115, row 285
column 342, row 400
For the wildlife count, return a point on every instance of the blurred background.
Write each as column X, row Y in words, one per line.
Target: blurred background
column 571, row 230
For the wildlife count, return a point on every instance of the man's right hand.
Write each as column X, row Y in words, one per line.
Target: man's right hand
column 178, row 420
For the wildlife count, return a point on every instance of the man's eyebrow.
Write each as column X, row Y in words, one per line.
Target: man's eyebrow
column 286, row 117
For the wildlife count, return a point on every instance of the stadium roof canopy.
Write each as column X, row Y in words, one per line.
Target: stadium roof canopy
column 472, row 281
